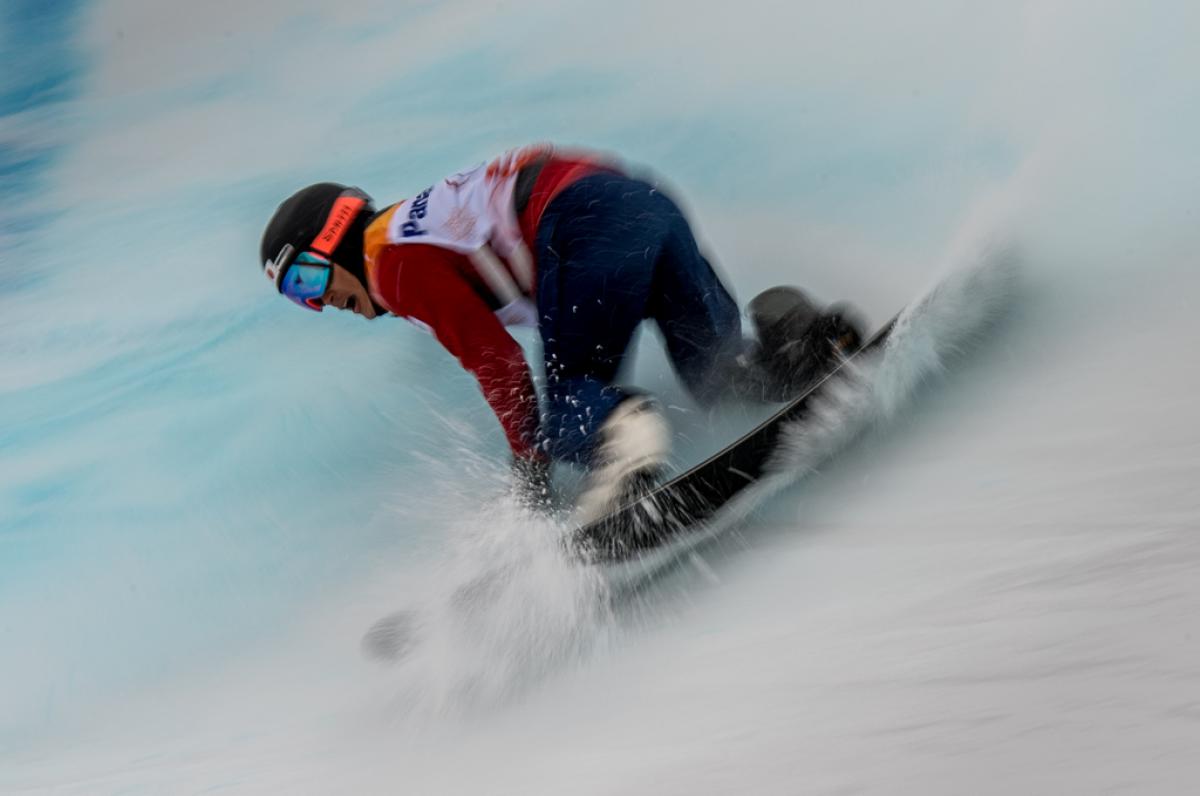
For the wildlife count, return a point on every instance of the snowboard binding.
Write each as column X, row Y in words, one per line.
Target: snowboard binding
column 798, row 342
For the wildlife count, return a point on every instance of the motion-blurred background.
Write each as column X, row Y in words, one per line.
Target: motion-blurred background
column 206, row 496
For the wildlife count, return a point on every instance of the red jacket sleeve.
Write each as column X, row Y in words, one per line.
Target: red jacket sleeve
column 431, row 290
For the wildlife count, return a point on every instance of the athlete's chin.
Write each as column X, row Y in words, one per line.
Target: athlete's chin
column 357, row 306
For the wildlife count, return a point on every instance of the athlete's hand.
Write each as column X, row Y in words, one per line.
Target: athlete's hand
column 531, row 481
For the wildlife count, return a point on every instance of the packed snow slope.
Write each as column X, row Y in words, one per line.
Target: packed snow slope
column 207, row 496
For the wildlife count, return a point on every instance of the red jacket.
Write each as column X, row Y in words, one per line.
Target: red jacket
column 443, row 289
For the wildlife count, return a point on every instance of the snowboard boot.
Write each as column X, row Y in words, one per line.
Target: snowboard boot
column 630, row 459
column 798, row 343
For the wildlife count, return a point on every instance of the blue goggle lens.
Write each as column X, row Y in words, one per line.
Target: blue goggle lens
column 306, row 280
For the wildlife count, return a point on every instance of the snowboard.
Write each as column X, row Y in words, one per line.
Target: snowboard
column 655, row 529
column 675, row 511
column 683, row 505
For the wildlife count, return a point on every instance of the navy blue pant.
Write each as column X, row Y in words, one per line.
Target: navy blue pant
column 611, row 252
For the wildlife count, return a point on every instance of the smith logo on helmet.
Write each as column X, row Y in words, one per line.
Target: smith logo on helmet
column 343, row 213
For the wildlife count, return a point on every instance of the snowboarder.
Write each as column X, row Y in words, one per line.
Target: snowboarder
column 569, row 243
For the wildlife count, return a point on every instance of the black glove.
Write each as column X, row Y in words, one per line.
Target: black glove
column 531, row 482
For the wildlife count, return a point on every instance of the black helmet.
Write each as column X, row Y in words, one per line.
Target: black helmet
column 327, row 218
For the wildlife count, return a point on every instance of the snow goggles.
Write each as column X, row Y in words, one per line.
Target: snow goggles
column 306, row 279
column 303, row 276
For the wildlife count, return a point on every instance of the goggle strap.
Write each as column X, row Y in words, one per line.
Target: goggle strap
column 345, row 209
column 275, row 268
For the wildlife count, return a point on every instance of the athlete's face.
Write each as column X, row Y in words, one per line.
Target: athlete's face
column 345, row 292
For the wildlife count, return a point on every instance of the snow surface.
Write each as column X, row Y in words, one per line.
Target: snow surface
column 206, row 496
